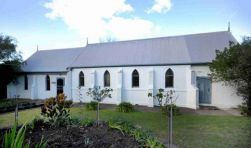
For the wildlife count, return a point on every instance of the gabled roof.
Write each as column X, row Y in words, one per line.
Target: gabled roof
column 183, row 49
column 56, row 60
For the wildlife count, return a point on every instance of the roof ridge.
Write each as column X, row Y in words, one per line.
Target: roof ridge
column 58, row 49
column 161, row 37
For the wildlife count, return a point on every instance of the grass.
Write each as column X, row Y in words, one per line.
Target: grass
column 189, row 130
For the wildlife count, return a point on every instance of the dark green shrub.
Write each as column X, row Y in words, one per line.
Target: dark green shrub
column 125, row 107
column 93, row 105
column 244, row 109
column 68, row 103
column 166, row 109
column 56, row 111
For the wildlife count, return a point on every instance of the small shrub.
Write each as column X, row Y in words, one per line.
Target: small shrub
column 93, row 105
column 166, row 109
column 87, row 122
column 125, row 107
column 36, row 122
column 68, row 103
column 56, row 111
column 244, row 109
column 75, row 121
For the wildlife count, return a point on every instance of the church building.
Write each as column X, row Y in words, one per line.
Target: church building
column 132, row 69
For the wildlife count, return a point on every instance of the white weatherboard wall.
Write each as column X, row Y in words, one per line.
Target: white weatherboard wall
column 222, row 96
column 151, row 78
column 36, row 86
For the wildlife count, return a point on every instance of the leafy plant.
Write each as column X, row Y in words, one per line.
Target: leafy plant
column 37, row 122
column 86, row 122
column 42, row 143
column 93, row 105
column 14, row 138
column 140, row 135
column 99, row 95
column 56, row 111
column 125, row 107
column 159, row 96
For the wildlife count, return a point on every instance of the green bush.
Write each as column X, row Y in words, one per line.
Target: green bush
column 166, row 109
column 56, row 111
column 244, row 109
column 93, row 105
column 68, row 103
column 125, row 107
column 36, row 122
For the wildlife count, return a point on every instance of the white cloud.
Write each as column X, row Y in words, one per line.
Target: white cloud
column 96, row 19
column 160, row 6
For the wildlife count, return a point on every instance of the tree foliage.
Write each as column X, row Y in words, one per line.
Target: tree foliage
column 98, row 94
column 233, row 66
column 163, row 98
column 10, row 59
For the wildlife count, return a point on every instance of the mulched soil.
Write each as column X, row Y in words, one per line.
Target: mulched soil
column 81, row 136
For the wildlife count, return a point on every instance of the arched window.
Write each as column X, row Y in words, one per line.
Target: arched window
column 48, row 82
column 135, row 78
column 25, row 82
column 106, row 79
column 81, row 79
column 169, row 78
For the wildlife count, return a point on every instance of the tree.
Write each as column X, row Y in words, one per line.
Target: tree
column 169, row 99
column 10, row 61
column 233, row 66
column 99, row 95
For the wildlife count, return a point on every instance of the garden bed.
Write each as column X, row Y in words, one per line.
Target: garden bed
column 80, row 136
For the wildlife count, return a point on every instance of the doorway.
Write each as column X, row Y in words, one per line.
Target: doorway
column 60, row 85
column 204, row 85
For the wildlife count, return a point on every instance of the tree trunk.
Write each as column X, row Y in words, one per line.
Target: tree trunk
column 98, row 113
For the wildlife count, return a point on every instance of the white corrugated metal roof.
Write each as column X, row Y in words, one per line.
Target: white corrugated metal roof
column 184, row 49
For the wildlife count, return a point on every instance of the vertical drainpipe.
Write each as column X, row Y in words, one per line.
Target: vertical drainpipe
column 120, row 86
column 70, row 83
column 150, row 87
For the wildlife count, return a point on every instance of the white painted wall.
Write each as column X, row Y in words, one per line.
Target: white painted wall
column 36, row 86
column 222, row 96
column 151, row 78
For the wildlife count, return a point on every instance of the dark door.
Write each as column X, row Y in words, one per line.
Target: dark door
column 3, row 91
column 204, row 86
column 60, row 86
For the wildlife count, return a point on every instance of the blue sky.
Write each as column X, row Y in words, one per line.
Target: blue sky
column 67, row 23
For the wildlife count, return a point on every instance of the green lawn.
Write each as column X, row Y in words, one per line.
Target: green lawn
column 189, row 130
